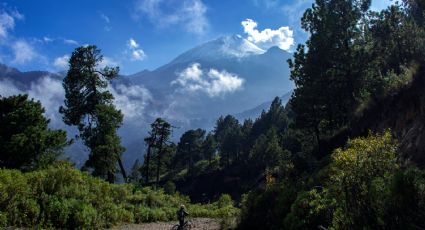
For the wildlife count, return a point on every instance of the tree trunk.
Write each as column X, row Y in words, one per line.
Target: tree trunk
column 158, row 163
column 148, row 157
column 111, row 177
column 124, row 175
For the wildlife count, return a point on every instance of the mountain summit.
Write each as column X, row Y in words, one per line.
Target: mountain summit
column 226, row 47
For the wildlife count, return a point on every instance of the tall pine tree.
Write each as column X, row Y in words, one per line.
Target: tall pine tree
column 89, row 106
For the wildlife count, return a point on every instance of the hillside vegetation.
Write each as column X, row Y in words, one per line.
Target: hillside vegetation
column 63, row 197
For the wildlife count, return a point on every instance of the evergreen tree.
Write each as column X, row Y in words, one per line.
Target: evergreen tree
column 209, row 147
column 327, row 73
column 227, row 133
column 89, row 106
column 268, row 154
column 189, row 149
column 275, row 118
column 159, row 148
column 26, row 142
column 416, row 10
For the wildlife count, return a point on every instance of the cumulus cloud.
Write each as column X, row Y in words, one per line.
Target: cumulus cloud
column 213, row 82
column 188, row 13
column 61, row 63
column 132, row 43
column 23, row 52
column 282, row 37
column 137, row 54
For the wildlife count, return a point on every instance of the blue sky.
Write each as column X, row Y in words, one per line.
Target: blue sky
column 136, row 34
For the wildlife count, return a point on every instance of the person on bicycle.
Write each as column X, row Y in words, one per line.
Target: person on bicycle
column 181, row 214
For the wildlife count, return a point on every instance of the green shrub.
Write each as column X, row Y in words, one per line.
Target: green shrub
column 170, row 188
column 225, row 200
column 63, row 197
column 3, row 220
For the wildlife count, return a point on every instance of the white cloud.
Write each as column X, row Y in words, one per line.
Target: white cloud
column 61, row 63
column 107, row 21
column 70, row 42
column 105, row 18
column 136, row 54
column 47, row 90
column 131, row 100
column 132, row 43
column 7, row 21
column 282, row 37
column 213, row 82
column 188, row 13
column 7, row 88
column 47, row 39
column 50, row 93
column 23, row 52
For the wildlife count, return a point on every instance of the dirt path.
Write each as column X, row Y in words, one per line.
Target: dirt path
column 199, row 224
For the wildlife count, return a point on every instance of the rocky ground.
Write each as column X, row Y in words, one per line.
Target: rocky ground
column 198, row 224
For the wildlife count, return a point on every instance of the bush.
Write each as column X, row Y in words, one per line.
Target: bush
column 63, row 197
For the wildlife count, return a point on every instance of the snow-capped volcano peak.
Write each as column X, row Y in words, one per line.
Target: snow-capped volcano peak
column 225, row 47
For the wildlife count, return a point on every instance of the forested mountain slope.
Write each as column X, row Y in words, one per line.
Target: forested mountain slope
column 402, row 111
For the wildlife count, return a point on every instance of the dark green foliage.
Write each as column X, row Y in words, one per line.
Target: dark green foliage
column 275, row 118
column 268, row 155
column 327, row 72
column 190, row 150
column 266, row 209
column 26, row 142
column 362, row 189
column 406, row 200
column 254, row 148
column 227, row 133
column 160, row 150
column 209, row 147
column 89, row 106
column 416, row 9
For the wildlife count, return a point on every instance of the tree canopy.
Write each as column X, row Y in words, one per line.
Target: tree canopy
column 26, row 141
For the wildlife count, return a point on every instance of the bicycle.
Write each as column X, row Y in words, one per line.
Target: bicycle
column 187, row 226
